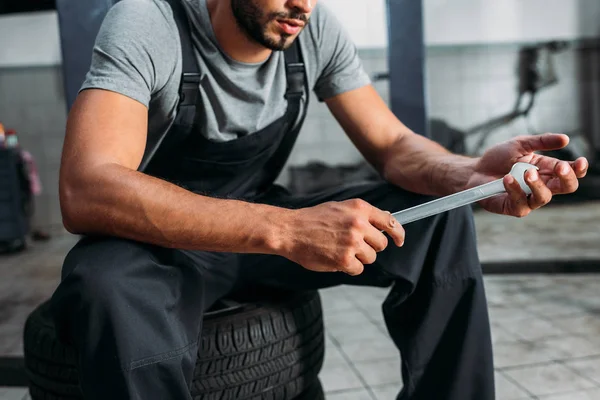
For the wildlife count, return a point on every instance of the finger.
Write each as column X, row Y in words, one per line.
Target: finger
column 375, row 238
column 547, row 141
column 366, row 254
column 518, row 205
column 355, row 267
column 383, row 220
column 580, row 166
column 540, row 194
column 566, row 175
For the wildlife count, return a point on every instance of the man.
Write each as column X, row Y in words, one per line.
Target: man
column 172, row 228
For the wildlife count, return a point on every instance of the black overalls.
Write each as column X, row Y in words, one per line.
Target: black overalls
column 133, row 310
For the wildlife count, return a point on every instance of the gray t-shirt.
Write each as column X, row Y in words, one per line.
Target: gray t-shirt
column 138, row 54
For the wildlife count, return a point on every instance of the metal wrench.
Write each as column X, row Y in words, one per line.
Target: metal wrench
column 464, row 197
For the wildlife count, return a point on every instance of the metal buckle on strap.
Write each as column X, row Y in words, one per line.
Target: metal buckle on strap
column 188, row 92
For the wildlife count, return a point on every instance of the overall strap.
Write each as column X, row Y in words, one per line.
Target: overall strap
column 295, row 70
column 188, row 91
column 190, row 77
column 297, row 86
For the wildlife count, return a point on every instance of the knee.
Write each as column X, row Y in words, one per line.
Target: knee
column 458, row 243
column 94, row 275
column 97, row 268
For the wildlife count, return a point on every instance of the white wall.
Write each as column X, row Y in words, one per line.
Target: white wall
column 501, row 21
column 33, row 39
column 29, row 39
column 476, row 21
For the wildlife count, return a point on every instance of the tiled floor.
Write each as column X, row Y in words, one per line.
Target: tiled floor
column 546, row 328
column 538, row 355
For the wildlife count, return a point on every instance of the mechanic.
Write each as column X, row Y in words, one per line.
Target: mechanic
column 172, row 222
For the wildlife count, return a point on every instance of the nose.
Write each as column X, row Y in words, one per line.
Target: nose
column 305, row 6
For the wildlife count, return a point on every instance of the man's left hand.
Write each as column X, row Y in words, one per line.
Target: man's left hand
column 553, row 177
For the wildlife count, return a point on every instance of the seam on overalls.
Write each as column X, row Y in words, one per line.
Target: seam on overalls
column 160, row 357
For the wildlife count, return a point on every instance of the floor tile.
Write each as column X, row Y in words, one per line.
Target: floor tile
column 574, row 346
column 500, row 298
column 553, row 309
column 376, row 373
column 500, row 315
column 501, row 335
column 344, row 319
column 356, row 394
column 589, row 367
column 386, row 392
column 585, row 324
column 593, row 394
column 549, row 379
column 524, row 353
column 333, row 356
column 334, row 301
column 374, row 350
column 339, row 377
column 507, row 389
column 364, row 334
column 532, row 328
column 372, row 310
column 362, row 294
column 10, row 393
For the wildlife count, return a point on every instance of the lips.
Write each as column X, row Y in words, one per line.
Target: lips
column 290, row 26
column 292, row 22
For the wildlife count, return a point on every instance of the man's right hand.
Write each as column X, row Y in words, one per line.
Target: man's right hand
column 339, row 236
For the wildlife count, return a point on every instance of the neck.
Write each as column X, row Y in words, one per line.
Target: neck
column 232, row 39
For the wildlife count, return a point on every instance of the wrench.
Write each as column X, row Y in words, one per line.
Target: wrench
column 464, row 197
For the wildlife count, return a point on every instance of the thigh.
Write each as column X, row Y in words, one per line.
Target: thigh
column 139, row 286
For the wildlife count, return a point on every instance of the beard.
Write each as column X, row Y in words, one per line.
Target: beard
column 255, row 24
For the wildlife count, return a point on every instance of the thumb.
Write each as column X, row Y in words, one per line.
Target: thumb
column 547, row 141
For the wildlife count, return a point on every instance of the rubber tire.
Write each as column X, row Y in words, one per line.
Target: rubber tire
column 268, row 349
column 315, row 392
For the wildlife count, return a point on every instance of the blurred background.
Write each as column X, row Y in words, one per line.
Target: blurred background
column 467, row 73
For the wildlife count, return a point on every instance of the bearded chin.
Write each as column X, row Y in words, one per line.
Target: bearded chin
column 248, row 16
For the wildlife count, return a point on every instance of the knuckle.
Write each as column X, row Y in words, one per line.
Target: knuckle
column 353, row 239
column 547, row 198
column 346, row 259
column 391, row 221
column 355, row 222
column 357, row 204
column 371, row 258
column 383, row 243
column 354, row 271
column 522, row 213
column 575, row 185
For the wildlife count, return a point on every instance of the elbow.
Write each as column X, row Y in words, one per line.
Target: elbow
column 388, row 164
column 72, row 206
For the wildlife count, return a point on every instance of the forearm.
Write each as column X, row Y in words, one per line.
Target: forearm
column 125, row 203
column 421, row 165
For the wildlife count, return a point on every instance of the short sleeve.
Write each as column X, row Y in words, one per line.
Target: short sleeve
column 135, row 52
column 340, row 68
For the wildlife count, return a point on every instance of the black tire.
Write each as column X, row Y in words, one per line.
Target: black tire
column 257, row 350
column 315, row 392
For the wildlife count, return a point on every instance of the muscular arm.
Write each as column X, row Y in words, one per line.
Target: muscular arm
column 102, row 193
column 402, row 157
